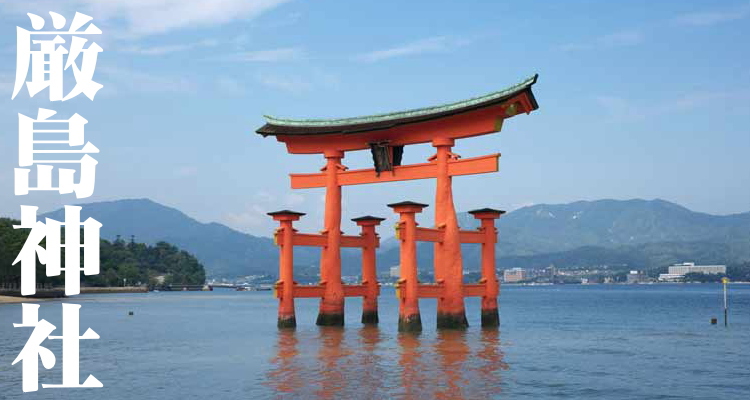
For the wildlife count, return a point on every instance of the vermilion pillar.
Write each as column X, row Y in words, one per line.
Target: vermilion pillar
column 332, row 304
column 285, row 285
column 448, row 262
column 409, row 319
column 369, row 275
column 490, row 315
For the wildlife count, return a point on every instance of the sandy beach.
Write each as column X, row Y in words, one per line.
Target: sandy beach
column 13, row 299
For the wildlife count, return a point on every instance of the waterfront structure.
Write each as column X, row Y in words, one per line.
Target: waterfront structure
column 514, row 275
column 670, row 277
column 678, row 271
column 386, row 136
column 394, row 272
column 636, row 277
column 690, row 267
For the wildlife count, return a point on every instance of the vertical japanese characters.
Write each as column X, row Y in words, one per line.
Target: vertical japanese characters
column 54, row 156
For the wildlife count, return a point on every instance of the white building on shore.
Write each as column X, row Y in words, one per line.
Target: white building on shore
column 678, row 271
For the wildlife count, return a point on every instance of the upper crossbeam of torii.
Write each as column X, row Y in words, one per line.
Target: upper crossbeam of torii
column 386, row 135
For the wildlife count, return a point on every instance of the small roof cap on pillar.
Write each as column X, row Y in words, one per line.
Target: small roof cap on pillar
column 285, row 212
column 407, row 203
column 484, row 211
column 368, row 218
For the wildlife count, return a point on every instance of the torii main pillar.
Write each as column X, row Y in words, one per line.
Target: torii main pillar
column 332, row 304
column 447, row 259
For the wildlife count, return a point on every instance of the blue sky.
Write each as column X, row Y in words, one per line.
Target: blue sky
column 638, row 99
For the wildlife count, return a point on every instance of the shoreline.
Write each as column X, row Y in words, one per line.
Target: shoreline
column 16, row 300
column 14, row 297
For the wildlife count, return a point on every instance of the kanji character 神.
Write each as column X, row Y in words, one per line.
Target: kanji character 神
column 50, row 230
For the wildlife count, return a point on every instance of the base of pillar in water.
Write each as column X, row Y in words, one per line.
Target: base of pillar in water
column 490, row 318
column 452, row 321
column 287, row 322
column 411, row 323
column 330, row 319
column 370, row 317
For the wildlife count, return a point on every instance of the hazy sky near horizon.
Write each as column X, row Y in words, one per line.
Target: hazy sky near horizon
column 638, row 99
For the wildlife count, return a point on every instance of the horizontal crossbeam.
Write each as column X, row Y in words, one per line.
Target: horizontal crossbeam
column 472, row 236
column 429, row 235
column 436, row 290
column 467, row 166
column 312, row 291
column 321, row 240
column 436, row 235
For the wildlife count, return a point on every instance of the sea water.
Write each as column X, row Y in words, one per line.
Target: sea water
column 562, row 341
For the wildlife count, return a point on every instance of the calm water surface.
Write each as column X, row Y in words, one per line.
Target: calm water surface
column 614, row 342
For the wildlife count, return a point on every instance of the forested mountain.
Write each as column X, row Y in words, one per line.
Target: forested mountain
column 637, row 234
column 547, row 228
column 120, row 262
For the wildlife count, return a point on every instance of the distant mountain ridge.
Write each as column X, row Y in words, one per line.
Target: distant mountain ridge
column 547, row 228
column 222, row 250
column 641, row 232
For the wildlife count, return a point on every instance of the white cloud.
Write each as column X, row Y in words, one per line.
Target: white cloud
column 713, row 17
column 291, row 84
column 122, row 79
column 230, row 86
column 293, row 199
column 636, row 36
column 301, row 81
column 282, row 22
column 430, row 45
column 264, row 197
column 146, row 17
column 186, row 171
column 620, row 109
column 253, row 216
column 623, row 38
column 7, row 81
column 160, row 50
column 616, row 39
column 274, row 55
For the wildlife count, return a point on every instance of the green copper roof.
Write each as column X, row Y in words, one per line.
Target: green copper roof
column 417, row 112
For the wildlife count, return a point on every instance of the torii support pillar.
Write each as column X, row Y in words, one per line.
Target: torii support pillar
column 490, row 315
column 448, row 263
column 286, row 267
column 332, row 304
column 369, row 275
column 409, row 319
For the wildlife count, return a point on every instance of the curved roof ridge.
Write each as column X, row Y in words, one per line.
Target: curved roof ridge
column 416, row 112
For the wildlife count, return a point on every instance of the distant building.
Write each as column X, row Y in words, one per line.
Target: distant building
column 687, row 268
column 514, row 275
column 670, row 277
column 394, row 272
column 636, row 277
column 678, row 271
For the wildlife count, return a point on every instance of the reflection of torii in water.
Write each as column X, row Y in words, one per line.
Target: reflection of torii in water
column 386, row 135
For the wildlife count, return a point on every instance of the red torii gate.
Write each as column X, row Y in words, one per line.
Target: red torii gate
column 386, row 135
